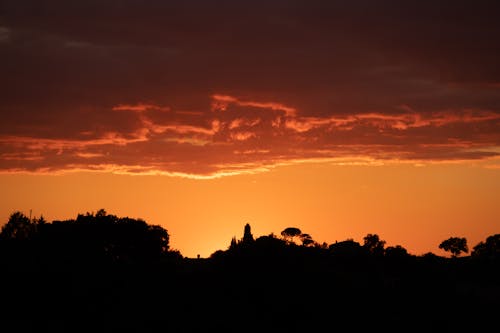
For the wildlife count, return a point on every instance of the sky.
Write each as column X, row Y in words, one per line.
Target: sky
column 341, row 118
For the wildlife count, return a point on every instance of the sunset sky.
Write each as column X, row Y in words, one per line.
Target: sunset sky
column 341, row 118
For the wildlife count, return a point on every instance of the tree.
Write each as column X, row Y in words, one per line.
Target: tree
column 157, row 239
column 396, row 252
column 374, row 244
column 233, row 244
column 306, row 239
column 103, row 237
column 454, row 245
column 18, row 227
column 488, row 249
column 347, row 248
column 290, row 233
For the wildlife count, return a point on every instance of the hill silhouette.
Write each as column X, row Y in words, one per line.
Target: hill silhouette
column 100, row 272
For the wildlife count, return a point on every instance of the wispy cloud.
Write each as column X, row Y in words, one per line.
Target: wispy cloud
column 244, row 136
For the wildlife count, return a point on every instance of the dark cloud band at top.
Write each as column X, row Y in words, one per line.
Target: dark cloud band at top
column 211, row 88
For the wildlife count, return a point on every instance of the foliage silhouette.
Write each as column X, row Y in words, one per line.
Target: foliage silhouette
column 488, row 249
column 396, row 251
column 290, row 233
column 374, row 244
column 455, row 245
column 306, row 239
column 19, row 227
column 119, row 274
column 347, row 248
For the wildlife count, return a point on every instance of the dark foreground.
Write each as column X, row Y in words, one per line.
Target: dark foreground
column 253, row 293
column 102, row 273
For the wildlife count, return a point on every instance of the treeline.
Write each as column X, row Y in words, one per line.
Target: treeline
column 106, row 237
column 100, row 272
column 91, row 237
column 372, row 245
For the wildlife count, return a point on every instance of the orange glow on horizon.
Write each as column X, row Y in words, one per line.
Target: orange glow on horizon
column 416, row 207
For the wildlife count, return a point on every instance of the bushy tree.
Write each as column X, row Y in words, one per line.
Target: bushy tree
column 455, row 245
column 18, row 227
column 490, row 248
column 347, row 248
column 306, row 239
column 396, row 252
column 374, row 244
column 103, row 236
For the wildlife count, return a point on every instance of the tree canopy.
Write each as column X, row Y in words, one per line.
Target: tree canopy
column 90, row 235
column 18, row 227
column 489, row 248
column 455, row 245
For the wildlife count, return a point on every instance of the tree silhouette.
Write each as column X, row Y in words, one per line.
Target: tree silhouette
column 18, row 227
column 101, row 237
column 454, row 245
column 488, row 249
column 100, row 261
column 396, row 251
column 290, row 233
column 374, row 244
column 306, row 239
column 233, row 244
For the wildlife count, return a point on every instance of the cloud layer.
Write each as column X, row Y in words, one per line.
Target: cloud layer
column 206, row 89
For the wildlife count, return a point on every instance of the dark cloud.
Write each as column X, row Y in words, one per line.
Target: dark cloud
column 427, row 73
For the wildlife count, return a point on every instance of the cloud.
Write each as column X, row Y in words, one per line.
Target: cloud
column 211, row 88
column 220, row 103
column 140, row 107
column 4, row 34
column 252, row 135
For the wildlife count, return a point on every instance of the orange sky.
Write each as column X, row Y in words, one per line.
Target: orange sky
column 413, row 206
